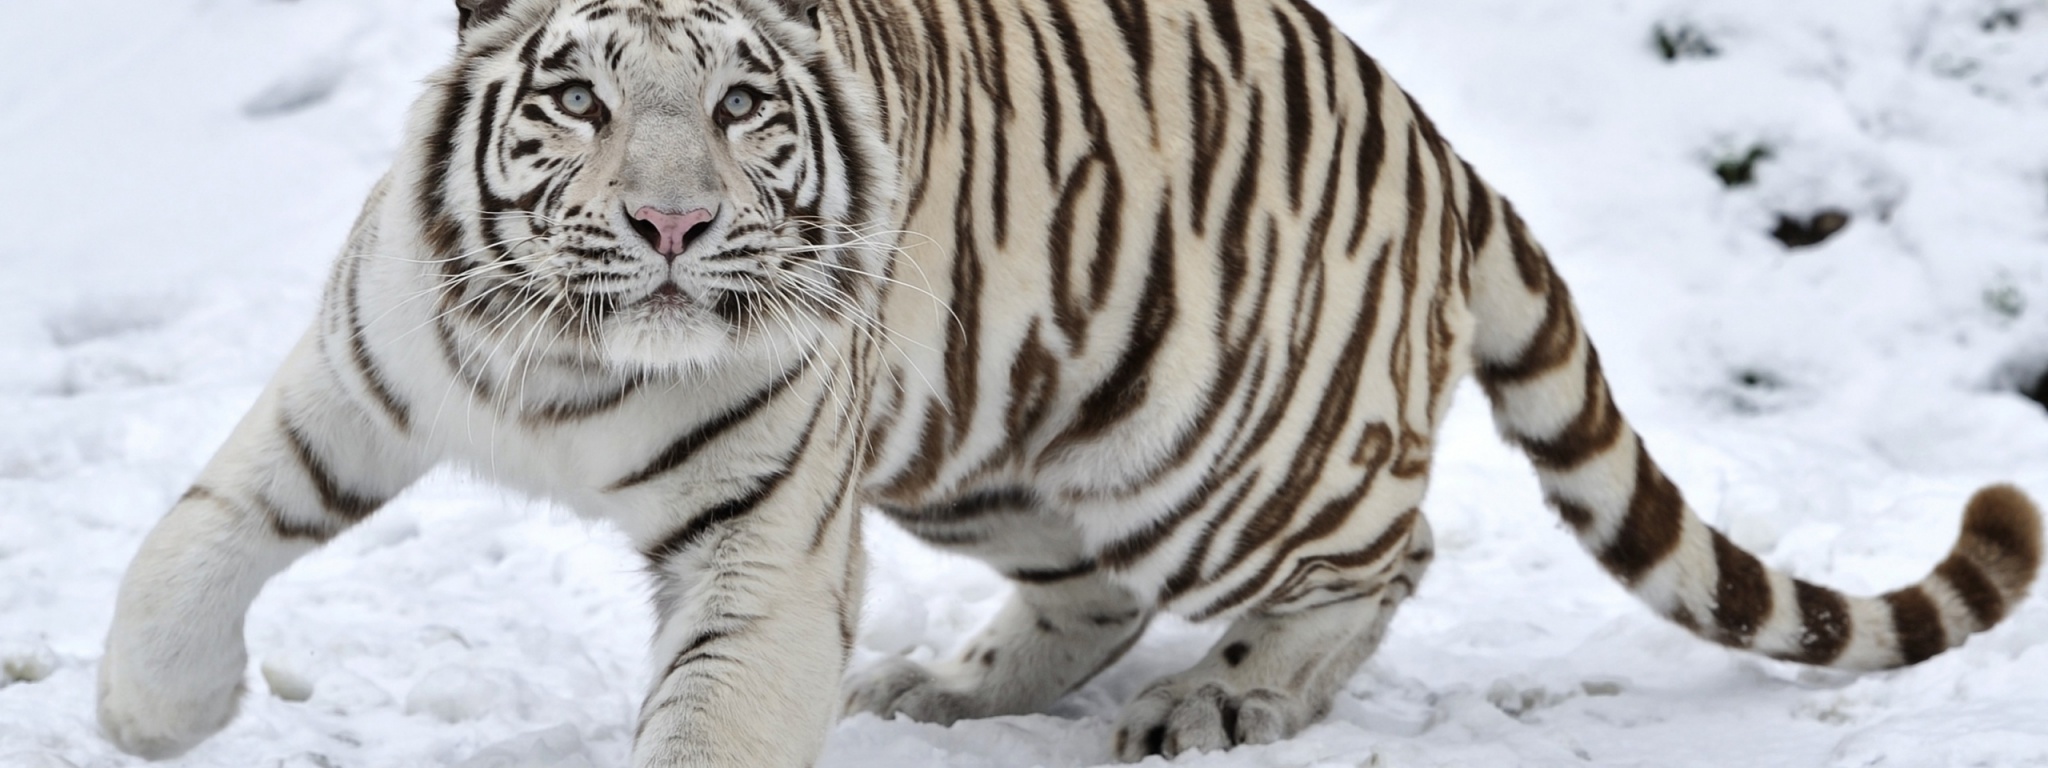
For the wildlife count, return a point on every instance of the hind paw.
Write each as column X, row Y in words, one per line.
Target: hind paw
column 903, row 687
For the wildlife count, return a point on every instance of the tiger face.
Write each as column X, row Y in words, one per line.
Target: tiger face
column 661, row 184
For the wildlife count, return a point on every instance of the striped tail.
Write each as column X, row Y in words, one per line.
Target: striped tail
column 1549, row 398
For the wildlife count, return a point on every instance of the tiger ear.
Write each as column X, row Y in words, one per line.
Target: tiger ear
column 474, row 12
column 805, row 11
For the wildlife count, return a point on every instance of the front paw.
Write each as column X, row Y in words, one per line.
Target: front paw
column 1193, row 714
column 900, row 686
column 160, row 713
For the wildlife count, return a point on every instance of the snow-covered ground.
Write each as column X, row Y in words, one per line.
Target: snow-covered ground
column 175, row 174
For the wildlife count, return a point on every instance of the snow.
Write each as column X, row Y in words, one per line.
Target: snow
column 177, row 174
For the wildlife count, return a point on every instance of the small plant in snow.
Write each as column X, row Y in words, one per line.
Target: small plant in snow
column 1683, row 40
column 2005, row 300
column 2002, row 18
column 1739, row 169
column 1804, row 231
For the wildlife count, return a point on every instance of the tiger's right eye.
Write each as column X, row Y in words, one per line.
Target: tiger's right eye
column 577, row 100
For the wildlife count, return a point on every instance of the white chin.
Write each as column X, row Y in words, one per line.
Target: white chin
column 677, row 340
column 655, row 342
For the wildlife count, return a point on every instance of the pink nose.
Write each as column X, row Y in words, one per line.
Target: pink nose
column 670, row 231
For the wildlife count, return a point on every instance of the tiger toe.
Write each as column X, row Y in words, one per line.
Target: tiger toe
column 1172, row 718
column 903, row 687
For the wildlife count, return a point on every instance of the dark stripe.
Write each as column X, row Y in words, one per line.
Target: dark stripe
column 560, row 58
column 1478, row 211
column 854, row 164
column 1128, row 385
column 1824, row 618
column 963, row 335
column 976, row 49
column 285, row 529
column 687, row 536
column 1316, row 446
column 1370, row 553
column 1109, row 232
column 359, row 353
column 1372, row 150
column 736, row 308
column 1326, row 207
column 1134, row 27
column 970, row 506
column 923, row 467
column 1034, row 382
column 1596, row 428
column 1917, row 623
column 1986, row 604
column 1574, row 514
column 333, row 497
column 317, row 533
column 998, row 75
column 1050, row 575
column 1234, row 241
column 999, row 184
column 1081, row 69
column 1742, row 597
column 815, row 136
column 1191, row 560
column 848, row 594
column 1294, row 77
column 1048, row 104
column 1529, row 262
column 575, row 410
column 537, row 114
column 1238, row 380
column 692, row 650
column 686, row 446
column 689, row 533
column 1335, row 397
column 1223, row 17
column 1326, row 47
column 1551, row 346
column 437, row 226
column 753, row 61
column 1650, row 532
column 1209, row 109
column 844, row 497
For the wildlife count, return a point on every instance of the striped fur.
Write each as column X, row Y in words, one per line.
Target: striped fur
column 1154, row 306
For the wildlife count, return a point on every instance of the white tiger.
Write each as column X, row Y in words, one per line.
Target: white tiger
column 1201, row 281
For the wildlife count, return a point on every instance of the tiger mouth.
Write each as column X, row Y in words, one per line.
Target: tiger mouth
column 667, row 297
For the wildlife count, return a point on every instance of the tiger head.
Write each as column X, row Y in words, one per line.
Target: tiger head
column 664, row 182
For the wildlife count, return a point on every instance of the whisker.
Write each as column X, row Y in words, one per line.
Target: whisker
column 846, row 312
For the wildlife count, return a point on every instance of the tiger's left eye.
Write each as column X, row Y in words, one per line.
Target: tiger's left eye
column 739, row 102
column 577, row 100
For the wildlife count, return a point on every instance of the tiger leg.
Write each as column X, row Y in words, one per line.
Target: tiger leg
column 1276, row 670
column 1047, row 640
column 303, row 465
column 757, row 592
column 749, row 643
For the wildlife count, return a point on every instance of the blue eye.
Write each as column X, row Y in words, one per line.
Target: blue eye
column 577, row 100
column 739, row 102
